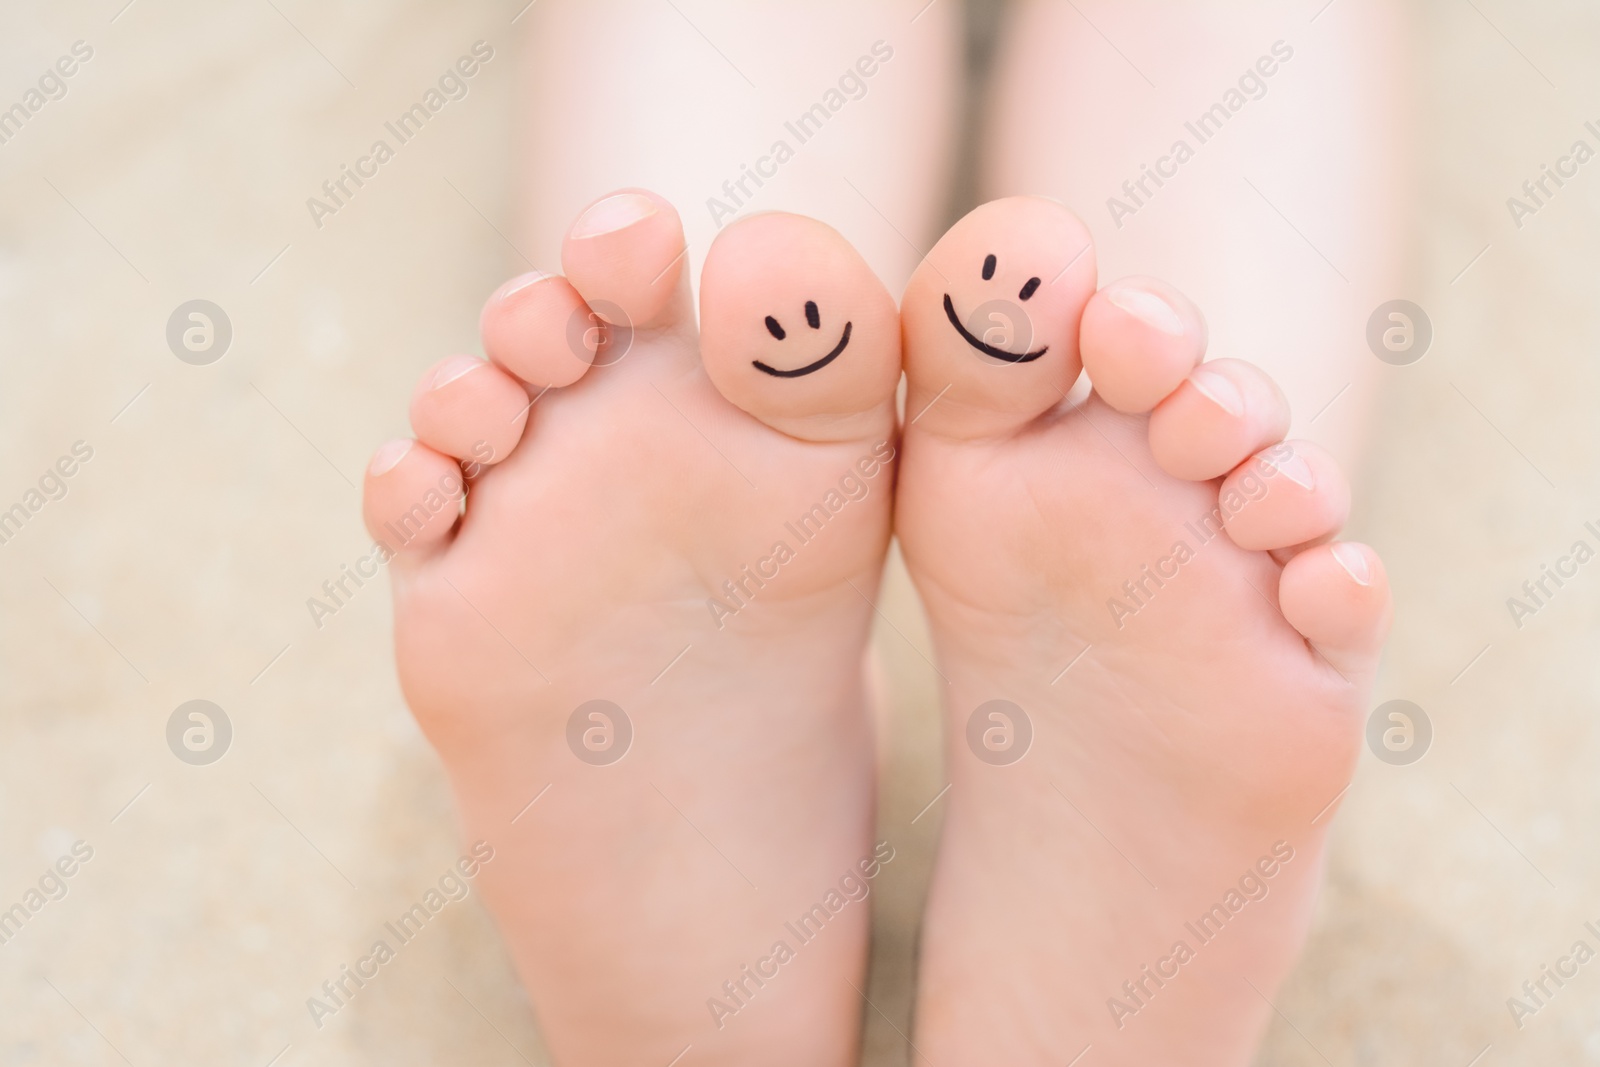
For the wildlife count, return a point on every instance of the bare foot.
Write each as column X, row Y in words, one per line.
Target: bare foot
column 686, row 531
column 1157, row 659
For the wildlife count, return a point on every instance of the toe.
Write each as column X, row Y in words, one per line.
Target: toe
column 990, row 318
column 469, row 409
column 411, row 497
column 1290, row 494
column 1140, row 338
column 1223, row 412
column 796, row 329
column 625, row 255
column 537, row 327
column 1337, row 596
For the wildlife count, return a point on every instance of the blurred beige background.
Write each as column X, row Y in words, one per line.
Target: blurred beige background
column 218, row 499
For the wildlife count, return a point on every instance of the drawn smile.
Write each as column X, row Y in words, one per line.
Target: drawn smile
column 809, row 368
column 985, row 348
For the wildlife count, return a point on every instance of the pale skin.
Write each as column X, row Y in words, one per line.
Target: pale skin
column 592, row 552
column 631, row 892
column 1205, row 716
column 627, row 497
column 1287, row 225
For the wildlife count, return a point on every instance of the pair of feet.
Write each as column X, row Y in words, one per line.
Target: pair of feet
column 1156, row 658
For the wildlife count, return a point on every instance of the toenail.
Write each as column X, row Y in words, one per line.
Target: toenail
column 519, row 283
column 612, row 214
column 451, row 369
column 1148, row 308
column 389, row 454
column 1291, row 466
column 1354, row 562
column 1219, row 389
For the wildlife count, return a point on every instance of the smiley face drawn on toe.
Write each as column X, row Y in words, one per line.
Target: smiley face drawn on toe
column 1028, row 289
column 814, row 320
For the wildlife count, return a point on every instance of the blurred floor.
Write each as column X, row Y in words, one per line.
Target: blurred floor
column 219, row 498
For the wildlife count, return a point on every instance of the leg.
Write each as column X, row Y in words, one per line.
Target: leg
column 1281, row 218
column 628, row 964
column 693, row 99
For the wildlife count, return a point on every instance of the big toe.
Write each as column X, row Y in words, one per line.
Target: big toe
column 990, row 318
column 796, row 330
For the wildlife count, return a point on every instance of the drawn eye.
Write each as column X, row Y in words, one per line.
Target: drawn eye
column 988, row 266
column 1029, row 289
column 774, row 329
column 813, row 319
